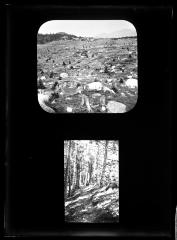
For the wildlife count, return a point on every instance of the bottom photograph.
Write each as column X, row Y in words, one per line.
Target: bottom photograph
column 91, row 181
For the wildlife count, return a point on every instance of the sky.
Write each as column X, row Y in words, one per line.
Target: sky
column 84, row 28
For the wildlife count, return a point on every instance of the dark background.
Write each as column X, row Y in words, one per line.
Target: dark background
column 35, row 138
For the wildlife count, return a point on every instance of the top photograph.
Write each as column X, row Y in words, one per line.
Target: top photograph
column 87, row 66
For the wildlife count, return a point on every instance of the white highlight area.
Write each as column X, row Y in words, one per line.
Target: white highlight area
column 89, row 28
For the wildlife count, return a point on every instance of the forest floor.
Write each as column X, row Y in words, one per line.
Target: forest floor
column 93, row 204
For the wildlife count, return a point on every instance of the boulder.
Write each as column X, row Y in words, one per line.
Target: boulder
column 94, row 86
column 43, row 99
column 116, row 107
column 69, row 109
column 123, row 94
column 131, row 82
column 43, row 78
column 108, row 89
column 63, row 75
column 94, row 95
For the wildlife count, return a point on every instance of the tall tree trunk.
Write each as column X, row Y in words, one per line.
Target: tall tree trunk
column 90, row 171
column 71, row 164
column 97, row 160
column 104, row 164
column 77, row 169
column 69, row 178
column 81, row 172
column 77, row 173
column 67, row 167
column 73, row 173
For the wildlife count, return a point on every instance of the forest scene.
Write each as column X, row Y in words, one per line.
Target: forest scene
column 91, row 181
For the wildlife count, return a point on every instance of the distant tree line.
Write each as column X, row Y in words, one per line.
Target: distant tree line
column 115, row 38
column 128, row 37
column 45, row 38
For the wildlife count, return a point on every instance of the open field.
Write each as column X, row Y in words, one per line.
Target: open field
column 108, row 63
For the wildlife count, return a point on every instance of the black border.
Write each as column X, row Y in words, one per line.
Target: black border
column 35, row 138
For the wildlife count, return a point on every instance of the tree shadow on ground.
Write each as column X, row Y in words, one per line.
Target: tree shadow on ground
column 93, row 205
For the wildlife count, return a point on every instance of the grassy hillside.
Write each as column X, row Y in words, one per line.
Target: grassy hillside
column 45, row 38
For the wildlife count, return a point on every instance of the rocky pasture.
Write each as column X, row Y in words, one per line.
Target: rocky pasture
column 66, row 69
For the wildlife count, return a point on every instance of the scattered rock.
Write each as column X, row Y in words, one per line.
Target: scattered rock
column 116, row 107
column 103, row 108
column 109, row 80
column 43, row 99
column 109, row 97
column 63, row 75
column 129, row 76
column 108, row 89
column 94, row 86
column 69, row 109
column 132, row 83
column 43, row 78
column 94, row 95
column 102, row 59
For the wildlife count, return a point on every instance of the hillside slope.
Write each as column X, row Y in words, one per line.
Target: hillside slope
column 45, row 38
